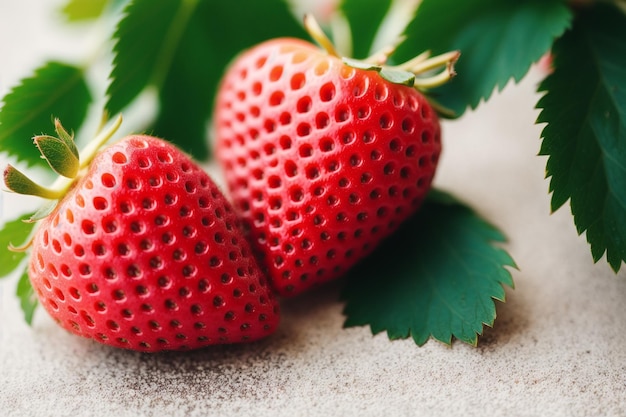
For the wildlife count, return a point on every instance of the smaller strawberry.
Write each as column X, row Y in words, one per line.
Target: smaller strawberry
column 142, row 251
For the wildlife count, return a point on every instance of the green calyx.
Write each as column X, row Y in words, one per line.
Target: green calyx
column 64, row 158
column 422, row 72
column 407, row 73
column 60, row 152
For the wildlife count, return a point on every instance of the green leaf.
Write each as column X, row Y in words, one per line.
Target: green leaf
column 14, row 233
column 365, row 18
column 27, row 297
column 436, row 277
column 182, row 47
column 55, row 90
column 141, row 50
column 498, row 40
column 585, row 136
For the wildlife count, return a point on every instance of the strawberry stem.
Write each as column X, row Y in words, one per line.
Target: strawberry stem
column 382, row 56
column 315, row 31
column 90, row 151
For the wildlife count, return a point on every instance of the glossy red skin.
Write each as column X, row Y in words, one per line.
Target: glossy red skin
column 145, row 253
column 322, row 160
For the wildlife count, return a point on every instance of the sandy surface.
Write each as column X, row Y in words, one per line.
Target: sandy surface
column 557, row 348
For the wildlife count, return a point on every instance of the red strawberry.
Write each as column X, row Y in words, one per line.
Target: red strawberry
column 145, row 253
column 323, row 160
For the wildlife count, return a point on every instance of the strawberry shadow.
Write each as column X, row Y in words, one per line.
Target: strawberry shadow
column 306, row 319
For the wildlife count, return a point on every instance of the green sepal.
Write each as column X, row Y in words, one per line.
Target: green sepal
column 362, row 65
column 398, row 76
column 66, row 137
column 59, row 154
column 394, row 76
column 28, row 298
column 43, row 211
column 17, row 182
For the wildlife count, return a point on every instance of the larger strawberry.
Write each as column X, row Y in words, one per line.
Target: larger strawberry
column 323, row 157
column 145, row 253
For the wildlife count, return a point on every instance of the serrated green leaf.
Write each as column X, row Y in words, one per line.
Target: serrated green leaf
column 141, row 51
column 498, row 40
column 585, row 136
column 26, row 294
column 436, row 277
column 14, row 233
column 365, row 18
column 181, row 47
column 55, row 90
